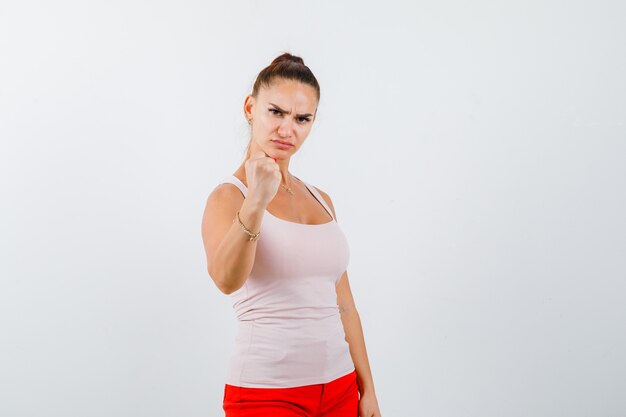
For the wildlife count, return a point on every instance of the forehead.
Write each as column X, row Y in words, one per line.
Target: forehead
column 288, row 93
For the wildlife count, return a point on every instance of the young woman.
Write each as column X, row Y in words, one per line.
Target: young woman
column 273, row 245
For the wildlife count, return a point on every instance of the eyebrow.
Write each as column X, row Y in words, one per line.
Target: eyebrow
column 288, row 112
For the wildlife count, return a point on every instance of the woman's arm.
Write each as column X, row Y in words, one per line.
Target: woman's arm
column 368, row 403
column 354, row 335
column 229, row 252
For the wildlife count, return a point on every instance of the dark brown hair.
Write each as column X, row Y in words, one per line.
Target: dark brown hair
column 288, row 67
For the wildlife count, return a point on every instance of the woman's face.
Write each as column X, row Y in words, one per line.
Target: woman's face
column 284, row 112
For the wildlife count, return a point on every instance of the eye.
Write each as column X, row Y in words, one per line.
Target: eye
column 300, row 119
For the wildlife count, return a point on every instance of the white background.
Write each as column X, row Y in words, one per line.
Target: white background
column 474, row 151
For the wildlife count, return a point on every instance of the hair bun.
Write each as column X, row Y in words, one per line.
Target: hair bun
column 288, row 57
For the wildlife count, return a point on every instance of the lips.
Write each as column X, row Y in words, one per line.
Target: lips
column 283, row 142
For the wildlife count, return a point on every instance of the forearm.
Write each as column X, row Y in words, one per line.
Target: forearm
column 354, row 336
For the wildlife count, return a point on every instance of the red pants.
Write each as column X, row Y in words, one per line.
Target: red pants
column 337, row 398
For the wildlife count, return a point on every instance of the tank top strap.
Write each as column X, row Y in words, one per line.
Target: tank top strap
column 318, row 196
column 236, row 181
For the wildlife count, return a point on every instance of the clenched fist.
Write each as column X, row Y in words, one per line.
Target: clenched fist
column 263, row 176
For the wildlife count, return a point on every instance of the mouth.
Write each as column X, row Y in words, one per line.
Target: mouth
column 282, row 142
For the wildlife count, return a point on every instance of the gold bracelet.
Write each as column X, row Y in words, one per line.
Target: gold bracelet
column 253, row 236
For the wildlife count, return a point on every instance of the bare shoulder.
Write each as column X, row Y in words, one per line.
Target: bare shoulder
column 224, row 195
column 223, row 201
column 328, row 201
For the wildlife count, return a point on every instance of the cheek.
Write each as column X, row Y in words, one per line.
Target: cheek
column 263, row 125
column 270, row 122
column 304, row 129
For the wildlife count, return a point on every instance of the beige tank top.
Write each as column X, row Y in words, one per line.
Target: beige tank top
column 289, row 328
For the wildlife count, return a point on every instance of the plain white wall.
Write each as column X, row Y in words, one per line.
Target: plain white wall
column 474, row 152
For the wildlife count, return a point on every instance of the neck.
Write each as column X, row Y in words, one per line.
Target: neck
column 283, row 165
column 287, row 179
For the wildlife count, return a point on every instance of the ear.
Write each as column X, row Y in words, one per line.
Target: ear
column 248, row 106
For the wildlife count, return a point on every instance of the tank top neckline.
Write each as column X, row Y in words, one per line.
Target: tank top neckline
column 289, row 221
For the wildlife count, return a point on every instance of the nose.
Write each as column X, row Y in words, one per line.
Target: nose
column 285, row 129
